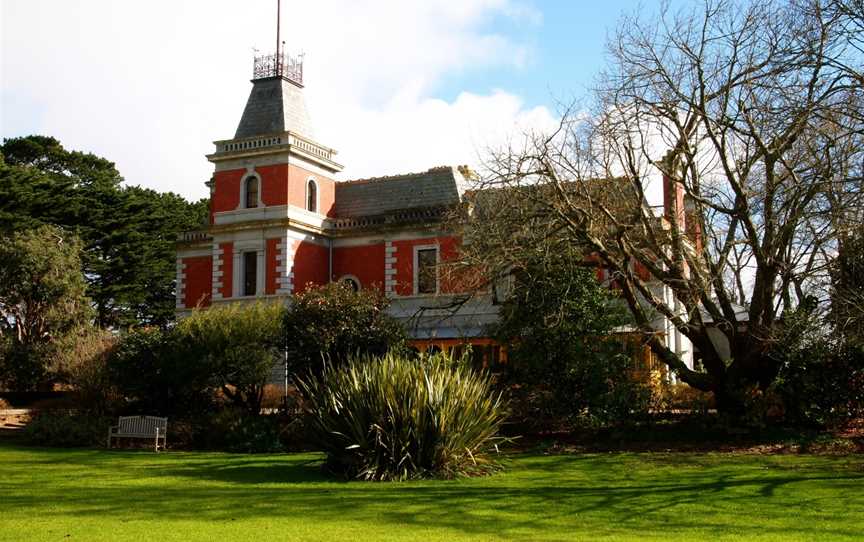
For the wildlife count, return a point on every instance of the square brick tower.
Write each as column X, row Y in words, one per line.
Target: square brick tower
column 280, row 223
column 272, row 190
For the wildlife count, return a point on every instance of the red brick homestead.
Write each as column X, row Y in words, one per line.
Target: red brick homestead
column 280, row 221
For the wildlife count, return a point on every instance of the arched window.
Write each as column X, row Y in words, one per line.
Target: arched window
column 251, row 195
column 351, row 282
column 311, row 196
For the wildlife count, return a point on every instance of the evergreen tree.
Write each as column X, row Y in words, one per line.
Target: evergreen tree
column 128, row 231
column 847, row 294
column 565, row 358
column 41, row 301
column 333, row 323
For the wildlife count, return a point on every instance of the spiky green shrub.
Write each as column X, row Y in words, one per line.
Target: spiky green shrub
column 394, row 418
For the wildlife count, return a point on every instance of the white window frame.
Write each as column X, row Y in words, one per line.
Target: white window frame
column 241, row 248
column 503, row 287
column 416, row 282
column 246, row 176
column 317, row 196
column 243, row 273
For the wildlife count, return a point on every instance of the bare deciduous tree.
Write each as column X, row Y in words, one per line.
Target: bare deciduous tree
column 747, row 118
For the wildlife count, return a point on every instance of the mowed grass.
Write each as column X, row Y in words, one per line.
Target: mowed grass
column 93, row 495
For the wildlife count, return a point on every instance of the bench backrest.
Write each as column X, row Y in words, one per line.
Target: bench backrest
column 142, row 425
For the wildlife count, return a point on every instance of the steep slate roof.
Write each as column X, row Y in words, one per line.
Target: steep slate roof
column 437, row 187
column 275, row 105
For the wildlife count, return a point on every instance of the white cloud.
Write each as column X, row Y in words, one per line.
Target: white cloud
column 152, row 84
column 412, row 133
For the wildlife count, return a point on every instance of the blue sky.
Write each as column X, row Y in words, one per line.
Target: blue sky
column 394, row 85
column 566, row 51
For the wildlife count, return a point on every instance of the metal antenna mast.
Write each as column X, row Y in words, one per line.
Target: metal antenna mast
column 278, row 21
column 278, row 64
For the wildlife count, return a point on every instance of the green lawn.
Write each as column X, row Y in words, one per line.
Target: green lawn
column 48, row 494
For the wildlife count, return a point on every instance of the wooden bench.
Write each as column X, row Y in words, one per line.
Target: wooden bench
column 150, row 427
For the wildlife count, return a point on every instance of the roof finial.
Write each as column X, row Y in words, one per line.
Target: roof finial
column 278, row 64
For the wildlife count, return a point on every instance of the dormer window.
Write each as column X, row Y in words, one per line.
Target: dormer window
column 251, row 192
column 311, row 196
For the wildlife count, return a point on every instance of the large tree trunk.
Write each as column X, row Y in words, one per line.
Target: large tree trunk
column 729, row 398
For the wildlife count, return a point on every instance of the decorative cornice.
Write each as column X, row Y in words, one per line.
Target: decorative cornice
column 331, row 228
column 245, row 147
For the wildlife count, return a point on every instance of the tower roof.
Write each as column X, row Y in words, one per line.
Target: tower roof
column 276, row 103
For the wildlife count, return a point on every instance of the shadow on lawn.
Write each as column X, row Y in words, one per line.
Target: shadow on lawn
column 253, row 472
column 596, row 495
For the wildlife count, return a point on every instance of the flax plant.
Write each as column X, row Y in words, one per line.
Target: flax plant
column 395, row 418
